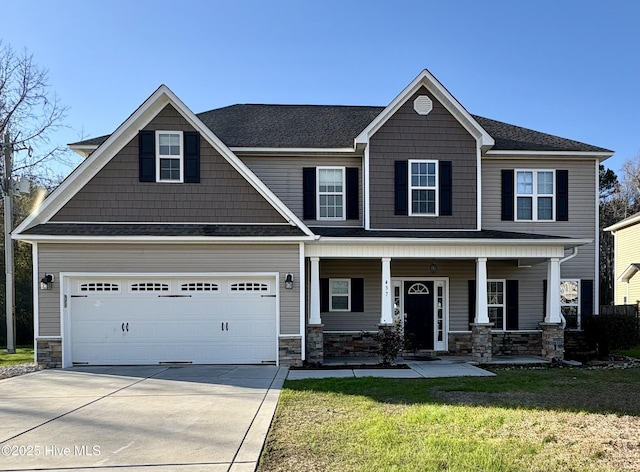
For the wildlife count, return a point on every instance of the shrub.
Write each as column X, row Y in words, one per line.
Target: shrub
column 390, row 340
column 612, row 332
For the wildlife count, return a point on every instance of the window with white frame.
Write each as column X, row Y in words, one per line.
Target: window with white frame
column 339, row 294
column 570, row 302
column 331, row 194
column 169, row 154
column 496, row 304
column 535, row 195
column 423, row 187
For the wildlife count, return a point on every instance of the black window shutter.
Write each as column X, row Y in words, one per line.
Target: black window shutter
column 586, row 300
column 401, row 187
column 357, row 295
column 324, row 295
column 507, row 195
column 309, row 193
column 446, row 188
column 191, row 157
column 512, row 304
column 353, row 212
column 472, row 301
column 147, row 156
column 562, row 195
column 544, row 299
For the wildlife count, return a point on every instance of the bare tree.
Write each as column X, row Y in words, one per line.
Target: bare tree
column 619, row 199
column 30, row 112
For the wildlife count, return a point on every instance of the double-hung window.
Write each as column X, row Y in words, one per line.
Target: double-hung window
column 331, row 194
column 423, row 187
column 169, row 156
column 570, row 302
column 339, row 294
column 496, row 304
column 535, row 195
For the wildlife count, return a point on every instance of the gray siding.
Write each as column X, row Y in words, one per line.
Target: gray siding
column 116, row 195
column 582, row 213
column 164, row 258
column 439, row 136
column 283, row 175
column 371, row 271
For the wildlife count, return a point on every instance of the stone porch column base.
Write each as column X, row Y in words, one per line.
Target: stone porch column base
column 315, row 344
column 481, row 343
column 552, row 341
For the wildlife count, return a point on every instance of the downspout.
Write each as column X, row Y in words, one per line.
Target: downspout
column 570, row 256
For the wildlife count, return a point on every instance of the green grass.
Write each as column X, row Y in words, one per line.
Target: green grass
column 22, row 355
column 633, row 352
column 521, row 420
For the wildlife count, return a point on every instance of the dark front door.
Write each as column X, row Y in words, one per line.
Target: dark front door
column 418, row 306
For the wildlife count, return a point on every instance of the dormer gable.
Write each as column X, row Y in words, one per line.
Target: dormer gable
column 194, row 177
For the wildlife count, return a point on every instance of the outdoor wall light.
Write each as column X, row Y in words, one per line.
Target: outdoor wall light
column 47, row 282
column 288, row 282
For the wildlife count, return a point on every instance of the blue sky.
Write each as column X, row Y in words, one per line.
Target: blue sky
column 565, row 67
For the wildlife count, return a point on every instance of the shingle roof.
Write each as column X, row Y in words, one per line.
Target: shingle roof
column 329, row 126
column 127, row 229
column 338, row 232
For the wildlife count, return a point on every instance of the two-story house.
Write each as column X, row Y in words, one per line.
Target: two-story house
column 283, row 233
column 626, row 236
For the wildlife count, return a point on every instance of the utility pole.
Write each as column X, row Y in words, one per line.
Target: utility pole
column 8, row 243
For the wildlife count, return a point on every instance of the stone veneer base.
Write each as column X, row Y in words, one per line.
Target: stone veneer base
column 290, row 351
column 49, row 353
column 350, row 344
column 315, row 344
column 552, row 341
column 481, row 342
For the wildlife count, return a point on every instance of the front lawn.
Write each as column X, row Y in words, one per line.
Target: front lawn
column 522, row 420
column 633, row 352
column 23, row 355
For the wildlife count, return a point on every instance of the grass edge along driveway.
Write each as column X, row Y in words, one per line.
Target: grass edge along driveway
column 522, row 420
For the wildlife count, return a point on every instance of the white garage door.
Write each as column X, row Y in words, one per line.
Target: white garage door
column 148, row 320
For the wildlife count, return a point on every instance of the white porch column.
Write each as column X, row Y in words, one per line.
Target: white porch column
column 553, row 291
column 482, row 312
column 386, row 313
column 314, row 292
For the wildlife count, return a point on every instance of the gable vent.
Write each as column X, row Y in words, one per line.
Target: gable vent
column 423, row 105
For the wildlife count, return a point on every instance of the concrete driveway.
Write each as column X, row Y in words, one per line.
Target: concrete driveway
column 144, row 418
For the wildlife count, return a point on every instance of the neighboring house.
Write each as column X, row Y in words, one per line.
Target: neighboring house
column 283, row 233
column 626, row 236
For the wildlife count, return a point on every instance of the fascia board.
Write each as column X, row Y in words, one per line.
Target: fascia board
column 159, row 239
column 566, row 243
column 84, row 151
column 628, row 273
column 500, row 154
column 426, row 79
column 295, row 151
column 624, row 223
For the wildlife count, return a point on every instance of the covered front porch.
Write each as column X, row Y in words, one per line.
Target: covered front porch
column 478, row 300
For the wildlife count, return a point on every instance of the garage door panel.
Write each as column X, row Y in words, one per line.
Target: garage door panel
column 149, row 320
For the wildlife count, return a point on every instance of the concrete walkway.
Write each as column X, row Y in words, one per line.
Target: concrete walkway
column 444, row 367
column 142, row 418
